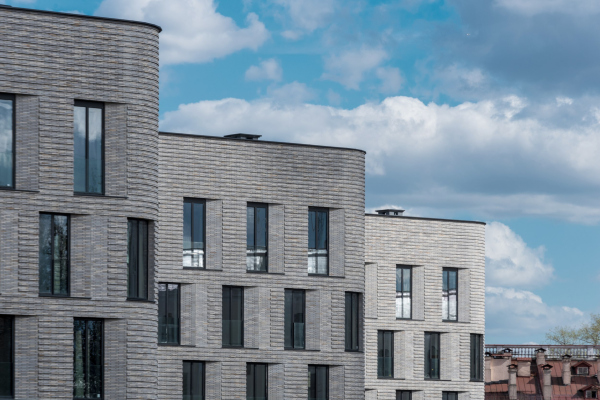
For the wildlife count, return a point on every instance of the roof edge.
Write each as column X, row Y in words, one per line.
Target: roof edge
column 93, row 17
column 460, row 221
column 187, row 135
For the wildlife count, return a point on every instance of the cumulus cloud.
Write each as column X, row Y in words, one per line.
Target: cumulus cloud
column 306, row 15
column 291, row 93
column 524, row 165
column 533, row 7
column 349, row 67
column 193, row 30
column 516, row 313
column 267, row 70
column 510, row 262
column 391, row 79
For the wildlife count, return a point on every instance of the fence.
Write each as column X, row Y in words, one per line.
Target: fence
column 583, row 352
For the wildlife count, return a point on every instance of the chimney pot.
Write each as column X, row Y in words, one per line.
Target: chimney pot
column 540, row 357
column 547, row 378
column 566, row 370
column 512, row 382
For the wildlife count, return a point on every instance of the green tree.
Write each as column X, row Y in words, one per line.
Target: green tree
column 588, row 333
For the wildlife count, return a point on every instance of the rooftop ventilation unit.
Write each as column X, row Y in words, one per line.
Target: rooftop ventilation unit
column 246, row 136
column 396, row 212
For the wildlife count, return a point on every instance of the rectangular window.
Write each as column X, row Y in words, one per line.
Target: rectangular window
column 318, row 382
column 294, row 318
column 168, row 313
column 194, row 377
column 450, row 295
column 318, row 241
column 233, row 316
column 403, row 292
column 256, row 381
column 449, row 395
column 89, row 147
column 352, row 319
column 403, row 395
column 583, row 371
column 7, row 141
column 476, row 357
column 88, row 361
column 194, row 227
column 432, row 355
column 137, row 259
column 591, row 394
column 6, row 356
column 54, row 254
column 256, row 238
column 385, row 354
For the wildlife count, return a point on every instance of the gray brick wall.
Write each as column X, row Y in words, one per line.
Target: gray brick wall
column 49, row 60
column 428, row 246
column 290, row 179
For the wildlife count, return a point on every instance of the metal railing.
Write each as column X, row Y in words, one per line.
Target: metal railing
column 584, row 352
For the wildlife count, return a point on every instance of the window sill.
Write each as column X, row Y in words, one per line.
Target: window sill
column 404, row 319
column 172, row 345
column 256, row 272
column 12, row 189
column 200, row 269
column 290, row 349
column 390, row 378
column 353, row 351
column 477, row 380
column 82, row 194
column 450, row 320
column 141, row 300
column 232, row 347
column 60, row 296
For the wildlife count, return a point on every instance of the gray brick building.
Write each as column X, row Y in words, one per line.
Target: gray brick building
column 143, row 265
column 424, row 308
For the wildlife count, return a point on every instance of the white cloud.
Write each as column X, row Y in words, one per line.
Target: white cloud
column 533, row 7
column 564, row 101
column 510, row 262
column 306, row 15
column 193, row 30
column 485, row 157
column 291, row 93
column 349, row 67
column 267, row 70
column 520, row 313
column 391, row 79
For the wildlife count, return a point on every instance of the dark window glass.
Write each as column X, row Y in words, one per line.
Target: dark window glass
column 54, row 254
column 403, row 395
column 476, row 357
column 137, row 259
column 194, row 218
column 450, row 295
column 233, row 316
column 449, row 395
column 89, row 147
column 432, row 355
column 7, row 141
column 294, row 319
column 168, row 313
column 403, row 292
column 256, row 382
column 352, row 325
column 256, row 238
column 318, row 253
column 87, row 367
column 385, row 354
column 194, row 377
column 6, row 356
column 318, row 382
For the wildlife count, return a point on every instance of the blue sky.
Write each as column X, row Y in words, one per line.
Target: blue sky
column 473, row 109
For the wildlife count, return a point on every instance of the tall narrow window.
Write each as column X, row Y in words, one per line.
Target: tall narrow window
column 89, row 147
column 318, row 382
column 432, row 355
column 137, row 259
column 352, row 321
column 233, row 316
column 194, row 378
column 403, row 395
column 294, row 318
column 476, row 357
column 194, row 217
column 450, row 295
column 256, row 238
column 7, row 141
column 54, row 254
column 256, row 381
column 449, row 395
column 318, row 241
column 385, row 354
column 88, row 361
column 168, row 313
column 403, row 292
column 6, row 356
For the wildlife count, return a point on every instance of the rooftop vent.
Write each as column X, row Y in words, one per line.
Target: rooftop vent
column 390, row 212
column 246, row 136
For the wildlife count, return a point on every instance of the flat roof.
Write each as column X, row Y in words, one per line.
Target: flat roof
column 63, row 14
column 461, row 221
column 257, row 142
